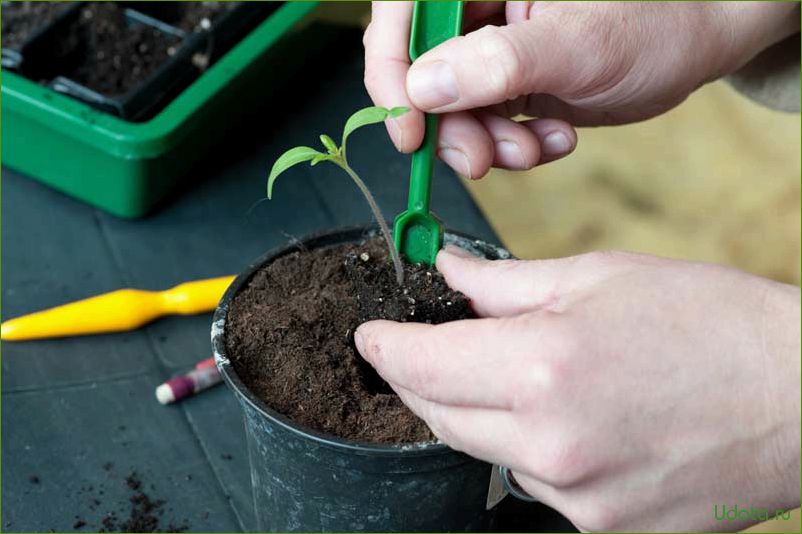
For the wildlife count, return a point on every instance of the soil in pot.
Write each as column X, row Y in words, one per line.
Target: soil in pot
column 289, row 335
column 22, row 19
column 119, row 56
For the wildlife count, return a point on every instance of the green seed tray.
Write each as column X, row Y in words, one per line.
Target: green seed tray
column 124, row 167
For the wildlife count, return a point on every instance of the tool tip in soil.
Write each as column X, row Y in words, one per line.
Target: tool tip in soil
column 418, row 236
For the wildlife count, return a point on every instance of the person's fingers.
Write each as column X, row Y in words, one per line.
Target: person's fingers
column 386, row 63
column 517, row 11
column 485, row 433
column 464, row 145
column 488, row 434
column 507, row 288
column 468, row 363
column 509, row 108
column 556, row 138
column 495, row 436
column 472, row 143
column 549, row 106
column 516, row 147
column 503, row 288
column 495, row 64
column 544, row 106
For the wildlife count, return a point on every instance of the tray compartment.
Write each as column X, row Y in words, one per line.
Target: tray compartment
column 144, row 97
column 39, row 41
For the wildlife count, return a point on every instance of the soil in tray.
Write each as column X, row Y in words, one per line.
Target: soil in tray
column 118, row 56
column 289, row 335
column 22, row 19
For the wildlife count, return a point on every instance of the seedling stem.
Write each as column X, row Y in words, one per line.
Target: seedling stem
column 337, row 155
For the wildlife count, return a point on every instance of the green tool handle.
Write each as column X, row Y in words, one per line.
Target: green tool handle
column 420, row 183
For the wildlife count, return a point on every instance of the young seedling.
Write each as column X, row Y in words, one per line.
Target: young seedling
column 337, row 155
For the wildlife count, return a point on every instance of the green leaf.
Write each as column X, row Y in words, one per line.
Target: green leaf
column 329, row 143
column 293, row 156
column 366, row 116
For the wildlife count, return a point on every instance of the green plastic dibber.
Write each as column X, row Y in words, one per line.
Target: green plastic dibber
column 418, row 234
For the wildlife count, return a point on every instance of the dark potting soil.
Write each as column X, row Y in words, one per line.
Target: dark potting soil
column 118, row 56
column 22, row 19
column 289, row 335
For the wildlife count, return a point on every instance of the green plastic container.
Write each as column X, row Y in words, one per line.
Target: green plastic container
column 125, row 167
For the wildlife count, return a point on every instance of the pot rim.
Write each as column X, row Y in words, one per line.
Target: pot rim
column 347, row 234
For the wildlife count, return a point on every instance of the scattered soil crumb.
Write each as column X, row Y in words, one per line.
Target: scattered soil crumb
column 140, row 512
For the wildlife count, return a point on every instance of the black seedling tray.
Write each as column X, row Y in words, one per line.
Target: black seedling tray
column 40, row 43
column 223, row 32
column 146, row 97
column 55, row 51
column 230, row 26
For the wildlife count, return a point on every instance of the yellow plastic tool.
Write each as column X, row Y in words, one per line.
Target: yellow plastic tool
column 124, row 309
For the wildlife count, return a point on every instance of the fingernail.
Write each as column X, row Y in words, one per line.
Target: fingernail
column 432, row 84
column 556, row 144
column 396, row 133
column 509, row 154
column 459, row 252
column 457, row 160
column 359, row 341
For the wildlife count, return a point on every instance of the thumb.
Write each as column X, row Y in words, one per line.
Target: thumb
column 494, row 64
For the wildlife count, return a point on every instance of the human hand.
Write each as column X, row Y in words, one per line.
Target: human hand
column 626, row 391
column 566, row 63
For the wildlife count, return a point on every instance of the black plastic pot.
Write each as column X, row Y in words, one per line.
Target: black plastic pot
column 304, row 480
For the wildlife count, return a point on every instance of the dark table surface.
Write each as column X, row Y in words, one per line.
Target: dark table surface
column 79, row 414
